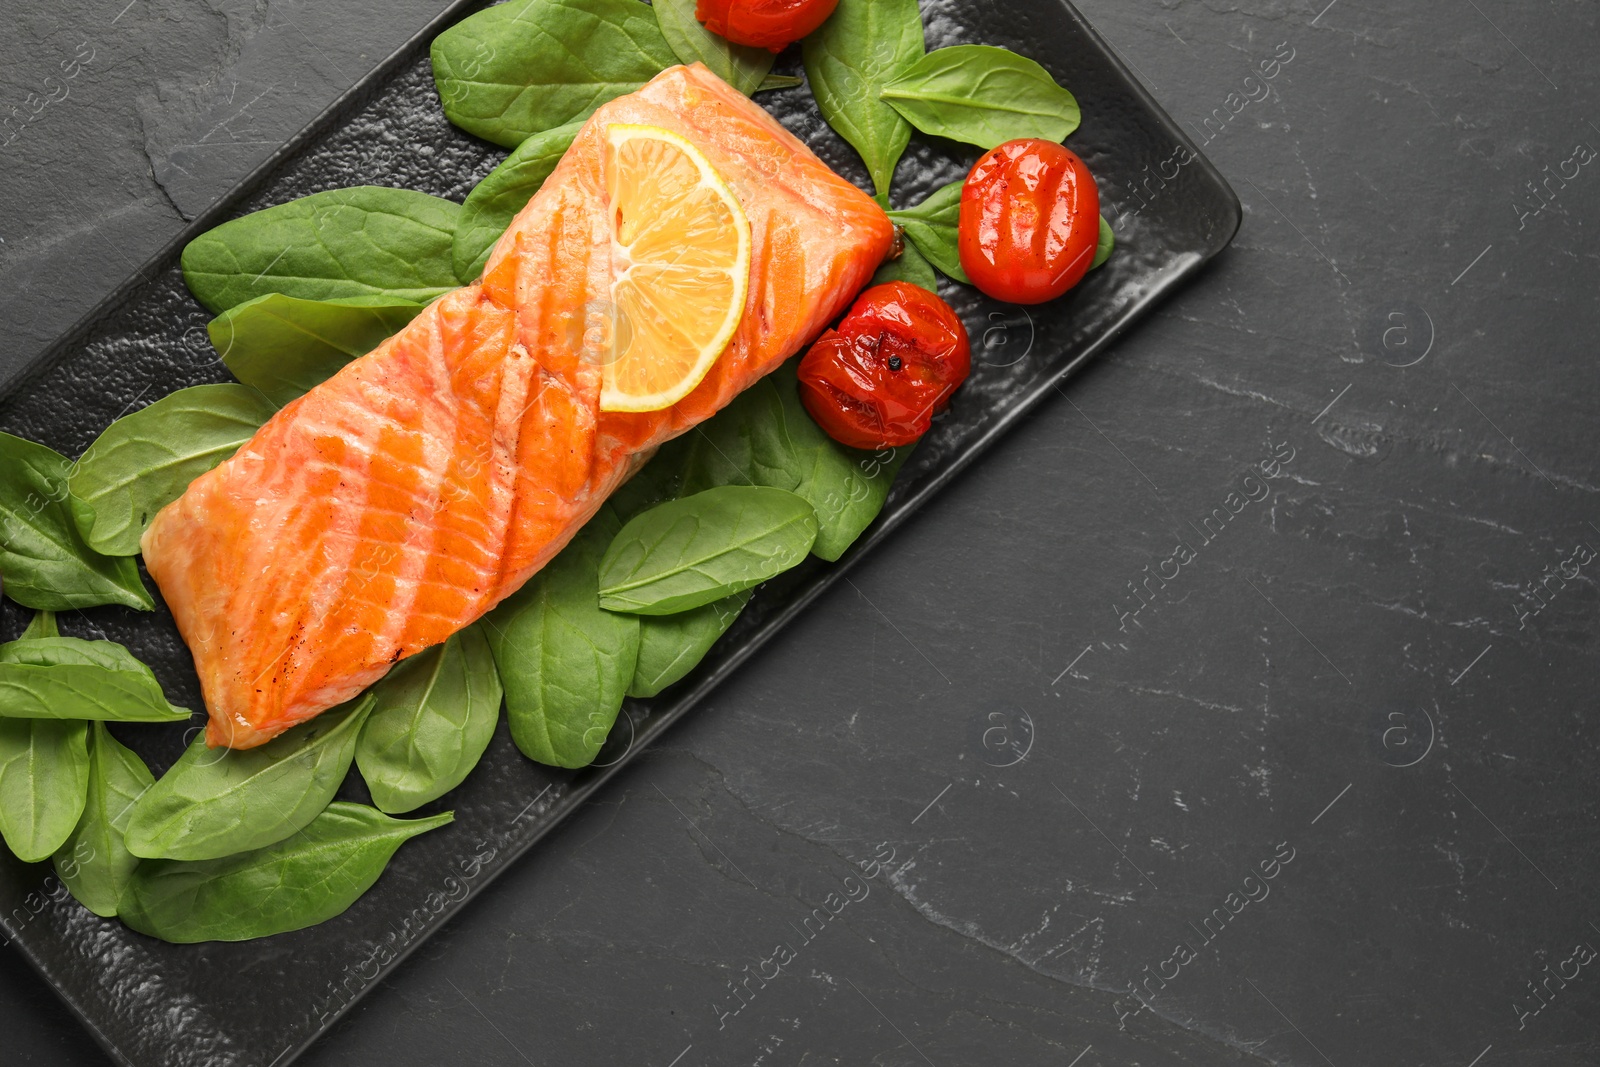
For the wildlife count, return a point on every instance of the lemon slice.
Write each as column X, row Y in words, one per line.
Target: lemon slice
column 681, row 255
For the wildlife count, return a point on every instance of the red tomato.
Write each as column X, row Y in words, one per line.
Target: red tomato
column 769, row 24
column 879, row 379
column 1030, row 221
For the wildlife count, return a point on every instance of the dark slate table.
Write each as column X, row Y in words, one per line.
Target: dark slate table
column 1319, row 790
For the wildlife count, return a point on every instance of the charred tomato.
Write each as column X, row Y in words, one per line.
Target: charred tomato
column 769, row 24
column 1030, row 221
column 878, row 380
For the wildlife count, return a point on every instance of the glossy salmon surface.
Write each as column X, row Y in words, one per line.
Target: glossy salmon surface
column 403, row 498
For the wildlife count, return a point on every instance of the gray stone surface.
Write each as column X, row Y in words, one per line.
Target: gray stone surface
column 1349, row 682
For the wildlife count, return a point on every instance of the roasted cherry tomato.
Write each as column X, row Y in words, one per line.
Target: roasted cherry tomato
column 769, row 24
column 880, row 378
column 1030, row 221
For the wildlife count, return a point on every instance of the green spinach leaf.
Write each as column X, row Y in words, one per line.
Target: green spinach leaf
column 363, row 241
column 741, row 66
column 285, row 346
column 1106, row 244
column 94, row 862
column 932, row 227
column 44, row 781
column 660, row 480
column 43, row 624
column 698, row 549
column 44, row 561
column 432, row 718
column 144, row 461
column 565, row 663
column 982, row 95
column 865, row 45
column 765, row 437
column 215, row 802
column 46, row 649
column 671, row 645
column 910, row 267
column 69, row 678
column 779, row 81
column 307, row 879
column 506, row 190
column 528, row 66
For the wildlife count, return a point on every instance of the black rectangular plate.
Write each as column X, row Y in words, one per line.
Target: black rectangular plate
column 260, row 1003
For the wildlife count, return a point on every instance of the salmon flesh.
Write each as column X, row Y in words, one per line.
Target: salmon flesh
column 406, row 496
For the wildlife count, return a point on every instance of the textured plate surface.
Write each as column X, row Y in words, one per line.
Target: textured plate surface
column 260, row 1003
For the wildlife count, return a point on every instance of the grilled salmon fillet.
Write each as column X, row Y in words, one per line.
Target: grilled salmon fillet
column 403, row 498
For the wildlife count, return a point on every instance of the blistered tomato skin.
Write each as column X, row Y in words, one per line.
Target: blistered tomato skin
column 879, row 379
column 769, row 24
column 1030, row 221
